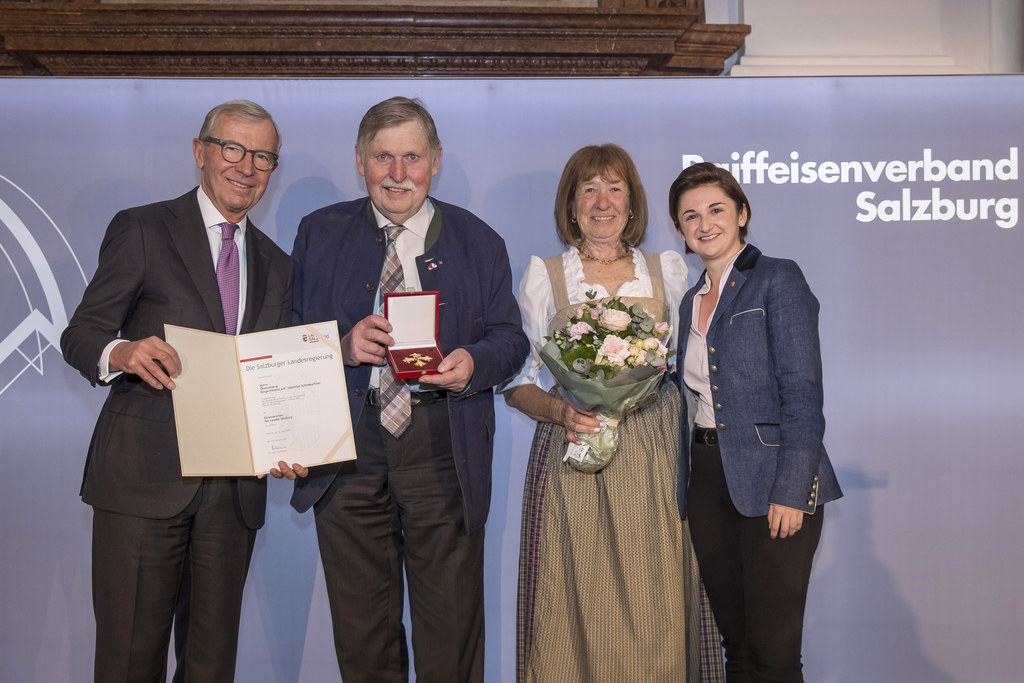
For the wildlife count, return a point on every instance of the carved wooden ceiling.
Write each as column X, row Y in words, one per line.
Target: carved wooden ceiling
column 114, row 38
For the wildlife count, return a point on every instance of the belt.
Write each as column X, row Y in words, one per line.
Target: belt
column 416, row 398
column 705, row 435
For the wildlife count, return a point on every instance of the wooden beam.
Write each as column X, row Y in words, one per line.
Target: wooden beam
column 76, row 39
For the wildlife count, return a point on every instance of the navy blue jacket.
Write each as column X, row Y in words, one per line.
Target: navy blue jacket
column 338, row 257
column 765, row 368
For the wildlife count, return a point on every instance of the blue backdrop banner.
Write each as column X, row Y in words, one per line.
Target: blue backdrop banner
column 899, row 198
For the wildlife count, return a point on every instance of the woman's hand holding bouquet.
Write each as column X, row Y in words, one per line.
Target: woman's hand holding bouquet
column 609, row 358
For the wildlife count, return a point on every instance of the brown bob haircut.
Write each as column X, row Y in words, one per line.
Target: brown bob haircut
column 699, row 175
column 612, row 163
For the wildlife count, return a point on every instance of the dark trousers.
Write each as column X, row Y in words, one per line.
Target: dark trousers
column 757, row 586
column 136, row 573
column 400, row 504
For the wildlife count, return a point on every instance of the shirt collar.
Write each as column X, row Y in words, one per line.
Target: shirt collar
column 417, row 224
column 725, row 274
column 211, row 216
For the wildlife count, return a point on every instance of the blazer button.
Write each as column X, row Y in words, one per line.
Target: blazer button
column 711, row 350
column 720, row 426
column 358, row 392
column 714, row 388
column 370, row 286
column 713, row 368
column 380, row 238
column 718, row 406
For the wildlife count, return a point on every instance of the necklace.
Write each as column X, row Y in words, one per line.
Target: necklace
column 604, row 261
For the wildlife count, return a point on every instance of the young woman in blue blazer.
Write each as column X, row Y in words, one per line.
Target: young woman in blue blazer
column 754, row 473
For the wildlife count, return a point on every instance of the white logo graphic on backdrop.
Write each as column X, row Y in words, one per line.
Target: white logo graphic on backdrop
column 33, row 314
column 922, row 187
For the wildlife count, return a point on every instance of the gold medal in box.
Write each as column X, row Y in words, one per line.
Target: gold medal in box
column 413, row 318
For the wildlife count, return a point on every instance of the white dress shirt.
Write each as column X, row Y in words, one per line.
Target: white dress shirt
column 411, row 243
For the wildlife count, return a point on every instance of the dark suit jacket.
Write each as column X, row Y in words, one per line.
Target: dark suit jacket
column 765, row 363
column 155, row 267
column 338, row 257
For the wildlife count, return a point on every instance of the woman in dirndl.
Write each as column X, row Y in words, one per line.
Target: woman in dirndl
column 608, row 585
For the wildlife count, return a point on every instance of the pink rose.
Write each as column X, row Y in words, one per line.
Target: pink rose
column 614, row 320
column 661, row 329
column 577, row 331
column 614, row 349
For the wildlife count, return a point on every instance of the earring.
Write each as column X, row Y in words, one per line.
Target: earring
column 573, row 219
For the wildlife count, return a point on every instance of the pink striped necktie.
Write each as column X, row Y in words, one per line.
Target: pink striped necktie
column 395, row 399
column 227, row 276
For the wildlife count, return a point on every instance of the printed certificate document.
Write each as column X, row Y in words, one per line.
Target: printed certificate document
column 243, row 403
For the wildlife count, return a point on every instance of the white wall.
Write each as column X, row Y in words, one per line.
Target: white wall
column 870, row 37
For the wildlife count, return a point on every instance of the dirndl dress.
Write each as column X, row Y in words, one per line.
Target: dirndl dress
column 609, row 589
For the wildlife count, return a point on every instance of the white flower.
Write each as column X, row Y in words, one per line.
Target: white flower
column 614, row 320
column 614, row 349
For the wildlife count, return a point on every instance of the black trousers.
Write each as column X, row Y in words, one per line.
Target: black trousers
column 400, row 505
column 757, row 586
column 136, row 572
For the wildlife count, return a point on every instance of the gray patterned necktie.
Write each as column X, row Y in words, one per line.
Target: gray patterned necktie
column 395, row 404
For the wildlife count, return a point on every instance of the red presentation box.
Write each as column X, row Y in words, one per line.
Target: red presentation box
column 413, row 317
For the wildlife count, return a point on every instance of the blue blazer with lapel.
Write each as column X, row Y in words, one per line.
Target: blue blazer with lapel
column 765, row 368
column 338, row 257
column 155, row 267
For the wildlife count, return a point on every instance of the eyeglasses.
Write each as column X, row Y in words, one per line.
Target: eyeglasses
column 234, row 152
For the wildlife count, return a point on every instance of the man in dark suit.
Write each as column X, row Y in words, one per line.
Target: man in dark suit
column 195, row 261
column 418, row 494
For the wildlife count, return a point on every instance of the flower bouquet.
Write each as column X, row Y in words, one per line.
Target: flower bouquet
column 610, row 359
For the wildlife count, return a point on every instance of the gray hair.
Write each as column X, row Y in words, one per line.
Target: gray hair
column 393, row 112
column 242, row 109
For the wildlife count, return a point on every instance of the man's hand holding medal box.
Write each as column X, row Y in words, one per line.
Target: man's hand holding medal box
column 413, row 318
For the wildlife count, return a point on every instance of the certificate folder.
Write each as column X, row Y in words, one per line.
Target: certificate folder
column 245, row 402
